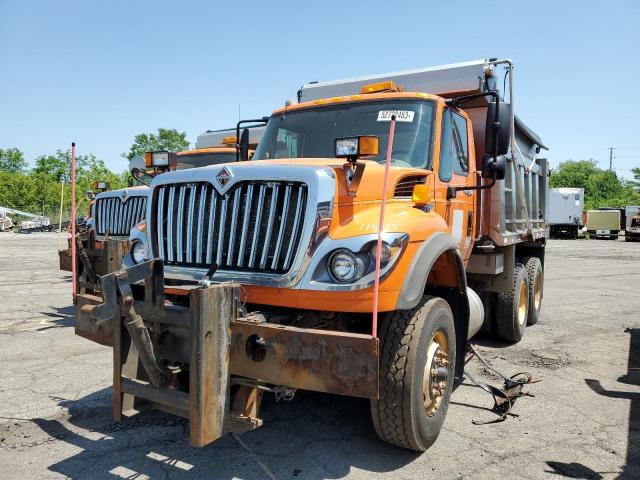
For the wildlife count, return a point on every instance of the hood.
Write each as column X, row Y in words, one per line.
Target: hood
column 369, row 189
column 124, row 193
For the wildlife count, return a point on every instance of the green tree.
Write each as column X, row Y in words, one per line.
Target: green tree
column 165, row 139
column 636, row 176
column 573, row 173
column 12, row 161
column 57, row 166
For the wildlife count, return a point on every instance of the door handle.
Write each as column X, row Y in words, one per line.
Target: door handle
column 469, row 222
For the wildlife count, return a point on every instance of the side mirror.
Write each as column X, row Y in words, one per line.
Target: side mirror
column 504, row 132
column 243, row 145
column 491, row 167
column 136, row 163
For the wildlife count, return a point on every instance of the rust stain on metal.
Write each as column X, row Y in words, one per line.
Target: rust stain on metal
column 88, row 327
column 324, row 361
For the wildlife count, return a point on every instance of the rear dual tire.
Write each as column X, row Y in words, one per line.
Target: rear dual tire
column 512, row 307
column 535, row 280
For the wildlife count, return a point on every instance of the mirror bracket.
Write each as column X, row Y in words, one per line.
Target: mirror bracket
column 240, row 149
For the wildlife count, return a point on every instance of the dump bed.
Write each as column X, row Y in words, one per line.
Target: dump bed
column 514, row 209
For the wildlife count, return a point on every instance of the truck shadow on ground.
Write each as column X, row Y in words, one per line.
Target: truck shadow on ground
column 312, row 437
column 631, row 467
column 60, row 317
column 573, row 470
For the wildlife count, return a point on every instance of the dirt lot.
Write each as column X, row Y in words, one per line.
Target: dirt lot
column 584, row 421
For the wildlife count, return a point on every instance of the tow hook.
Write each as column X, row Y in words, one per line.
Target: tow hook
column 256, row 348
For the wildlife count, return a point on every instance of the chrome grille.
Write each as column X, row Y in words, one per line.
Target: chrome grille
column 255, row 226
column 117, row 218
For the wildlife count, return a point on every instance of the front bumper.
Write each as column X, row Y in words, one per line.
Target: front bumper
column 216, row 347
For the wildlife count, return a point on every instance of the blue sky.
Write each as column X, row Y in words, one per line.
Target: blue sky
column 98, row 73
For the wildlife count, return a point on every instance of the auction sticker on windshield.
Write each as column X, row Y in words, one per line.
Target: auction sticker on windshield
column 401, row 115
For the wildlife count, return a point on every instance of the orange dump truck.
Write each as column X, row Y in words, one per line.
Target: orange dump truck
column 262, row 273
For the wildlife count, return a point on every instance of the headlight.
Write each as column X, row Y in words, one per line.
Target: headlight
column 138, row 252
column 345, row 267
column 385, row 252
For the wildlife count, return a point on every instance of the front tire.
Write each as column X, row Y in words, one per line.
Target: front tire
column 417, row 366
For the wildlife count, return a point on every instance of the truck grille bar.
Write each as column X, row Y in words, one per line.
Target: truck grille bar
column 116, row 218
column 254, row 227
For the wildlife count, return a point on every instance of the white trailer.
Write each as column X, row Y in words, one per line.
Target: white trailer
column 565, row 206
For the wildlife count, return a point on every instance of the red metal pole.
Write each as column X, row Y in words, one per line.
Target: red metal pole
column 383, row 203
column 73, row 221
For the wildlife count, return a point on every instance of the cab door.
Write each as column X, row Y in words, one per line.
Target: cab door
column 453, row 170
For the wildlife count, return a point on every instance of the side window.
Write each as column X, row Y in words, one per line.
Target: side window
column 445, row 170
column 454, row 147
column 460, row 145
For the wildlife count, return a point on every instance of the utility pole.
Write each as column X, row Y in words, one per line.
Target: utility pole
column 611, row 149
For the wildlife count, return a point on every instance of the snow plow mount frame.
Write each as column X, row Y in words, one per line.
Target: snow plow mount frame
column 183, row 359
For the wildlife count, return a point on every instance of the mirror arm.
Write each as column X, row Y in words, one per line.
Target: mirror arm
column 135, row 172
column 452, row 191
column 455, row 103
column 261, row 121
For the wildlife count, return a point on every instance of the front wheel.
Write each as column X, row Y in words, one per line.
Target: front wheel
column 417, row 365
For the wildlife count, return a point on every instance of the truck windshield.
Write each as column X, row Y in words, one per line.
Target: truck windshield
column 204, row 159
column 312, row 133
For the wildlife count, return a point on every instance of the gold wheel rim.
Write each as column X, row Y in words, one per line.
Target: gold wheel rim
column 522, row 303
column 436, row 373
column 537, row 291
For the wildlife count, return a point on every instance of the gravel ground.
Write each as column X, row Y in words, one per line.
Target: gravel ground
column 583, row 421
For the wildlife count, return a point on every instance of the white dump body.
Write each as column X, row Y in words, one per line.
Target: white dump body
column 214, row 138
column 565, row 206
column 444, row 80
column 517, row 203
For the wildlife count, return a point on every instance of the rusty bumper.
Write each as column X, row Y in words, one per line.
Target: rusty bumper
column 194, row 338
column 94, row 259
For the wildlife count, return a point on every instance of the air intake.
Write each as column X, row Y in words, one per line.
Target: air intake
column 404, row 187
